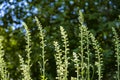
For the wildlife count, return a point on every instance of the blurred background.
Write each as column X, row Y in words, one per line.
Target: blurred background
column 99, row 16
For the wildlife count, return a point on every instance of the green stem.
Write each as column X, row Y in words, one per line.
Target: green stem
column 88, row 62
column 82, row 67
column 66, row 61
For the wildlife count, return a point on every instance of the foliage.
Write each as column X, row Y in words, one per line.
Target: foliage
column 62, row 56
column 42, row 36
column 26, row 65
column 117, row 55
column 99, row 16
column 3, row 67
